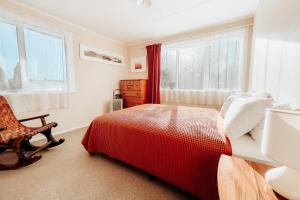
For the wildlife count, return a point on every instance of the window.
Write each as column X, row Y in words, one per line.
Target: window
column 45, row 60
column 45, row 56
column 209, row 63
column 9, row 55
column 33, row 58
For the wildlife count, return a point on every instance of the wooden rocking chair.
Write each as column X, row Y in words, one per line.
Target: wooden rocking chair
column 15, row 136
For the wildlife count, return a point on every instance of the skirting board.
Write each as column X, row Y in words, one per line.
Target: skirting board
column 41, row 137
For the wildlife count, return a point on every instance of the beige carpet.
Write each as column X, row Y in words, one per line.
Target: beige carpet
column 69, row 172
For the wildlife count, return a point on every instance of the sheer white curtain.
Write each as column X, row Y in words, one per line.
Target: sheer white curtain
column 195, row 97
column 203, row 71
column 24, row 103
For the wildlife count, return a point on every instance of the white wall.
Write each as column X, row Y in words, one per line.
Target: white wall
column 94, row 81
column 276, row 57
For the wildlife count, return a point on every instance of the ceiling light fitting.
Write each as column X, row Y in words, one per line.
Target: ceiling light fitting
column 144, row 3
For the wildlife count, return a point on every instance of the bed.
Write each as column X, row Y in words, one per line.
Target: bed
column 181, row 145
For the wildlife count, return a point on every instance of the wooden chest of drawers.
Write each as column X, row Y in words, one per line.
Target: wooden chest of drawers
column 133, row 92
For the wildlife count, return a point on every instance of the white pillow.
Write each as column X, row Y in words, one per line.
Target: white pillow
column 228, row 102
column 244, row 114
column 258, row 94
column 234, row 97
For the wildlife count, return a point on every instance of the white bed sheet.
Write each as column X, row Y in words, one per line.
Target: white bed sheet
column 245, row 147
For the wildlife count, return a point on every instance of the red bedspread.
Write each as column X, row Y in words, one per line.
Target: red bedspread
column 181, row 145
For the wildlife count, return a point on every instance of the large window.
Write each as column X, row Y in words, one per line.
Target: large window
column 33, row 59
column 213, row 62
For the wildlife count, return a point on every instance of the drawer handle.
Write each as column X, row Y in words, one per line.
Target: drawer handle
column 129, row 83
column 129, row 87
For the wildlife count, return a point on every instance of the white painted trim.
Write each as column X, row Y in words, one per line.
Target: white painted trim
column 40, row 137
column 66, row 22
column 204, row 31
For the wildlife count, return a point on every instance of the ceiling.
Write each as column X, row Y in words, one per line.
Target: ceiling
column 124, row 21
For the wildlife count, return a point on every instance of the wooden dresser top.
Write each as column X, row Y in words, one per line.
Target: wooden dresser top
column 134, row 80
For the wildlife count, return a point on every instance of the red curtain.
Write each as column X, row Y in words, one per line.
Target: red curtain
column 153, row 61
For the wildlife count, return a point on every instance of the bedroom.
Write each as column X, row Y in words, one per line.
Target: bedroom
column 198, row 59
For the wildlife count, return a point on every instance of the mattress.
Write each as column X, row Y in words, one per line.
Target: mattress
column 181, row 145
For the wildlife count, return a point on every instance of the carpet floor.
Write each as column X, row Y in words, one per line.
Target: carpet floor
column 68, row 172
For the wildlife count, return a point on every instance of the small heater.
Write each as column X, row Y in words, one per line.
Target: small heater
column 117, row 102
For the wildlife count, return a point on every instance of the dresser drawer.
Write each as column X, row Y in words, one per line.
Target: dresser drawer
column 137, row 94
column 131, row 85
column 123, row 85
column 130, row 82
column 134, row 100
column 136, row 86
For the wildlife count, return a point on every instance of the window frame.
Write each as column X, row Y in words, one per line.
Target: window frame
column 21, row 23
column 45, row 32
column 10, row 22
column 194, row 41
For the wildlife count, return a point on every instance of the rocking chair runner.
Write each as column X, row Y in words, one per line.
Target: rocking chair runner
column 16, row 136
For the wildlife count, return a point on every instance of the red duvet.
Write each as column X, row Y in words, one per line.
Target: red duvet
column 181, row 145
